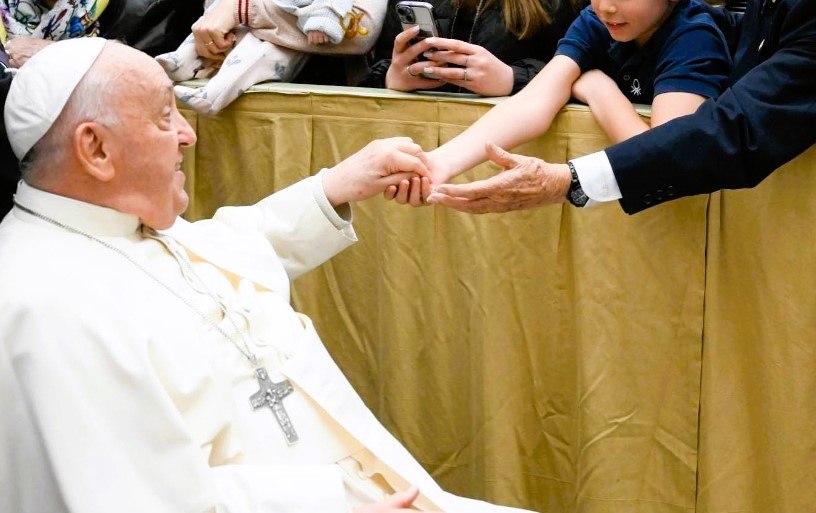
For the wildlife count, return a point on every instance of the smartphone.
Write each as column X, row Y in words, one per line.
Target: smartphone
column 417, row 13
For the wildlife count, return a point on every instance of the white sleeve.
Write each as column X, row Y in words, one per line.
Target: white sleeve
column 597, row 178
column 341, row 217
column 303, row 231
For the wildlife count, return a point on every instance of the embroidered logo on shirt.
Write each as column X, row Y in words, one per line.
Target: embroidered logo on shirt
column 636, row 87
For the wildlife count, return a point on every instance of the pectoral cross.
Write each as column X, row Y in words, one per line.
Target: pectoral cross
column 271, row 394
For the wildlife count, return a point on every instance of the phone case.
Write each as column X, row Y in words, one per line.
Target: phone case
column 417, row 13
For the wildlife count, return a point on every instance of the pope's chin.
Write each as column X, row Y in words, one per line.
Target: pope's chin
column 164, row 215
column 180, row 203
column 182, row 199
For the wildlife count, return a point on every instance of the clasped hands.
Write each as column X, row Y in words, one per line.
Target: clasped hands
column 402, row 171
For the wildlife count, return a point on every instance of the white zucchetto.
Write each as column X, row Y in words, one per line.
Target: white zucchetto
column 42, row 86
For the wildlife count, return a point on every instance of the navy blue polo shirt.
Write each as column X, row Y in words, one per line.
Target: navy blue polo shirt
column 688, row 54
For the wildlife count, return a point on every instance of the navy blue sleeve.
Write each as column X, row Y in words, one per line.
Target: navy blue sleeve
column 728, row 22
column 585, row 39
column 696, row 61
column 762, row 121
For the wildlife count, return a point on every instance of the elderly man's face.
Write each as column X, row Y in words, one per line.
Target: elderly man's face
column 149, row 142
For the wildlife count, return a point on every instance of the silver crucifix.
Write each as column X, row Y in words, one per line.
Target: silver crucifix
column 272, row 394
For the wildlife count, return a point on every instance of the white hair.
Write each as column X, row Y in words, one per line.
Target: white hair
column 91, row 100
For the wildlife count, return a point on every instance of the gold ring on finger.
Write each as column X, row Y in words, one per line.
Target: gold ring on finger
column 464, row 76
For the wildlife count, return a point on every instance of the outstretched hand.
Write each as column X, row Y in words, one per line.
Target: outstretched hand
column 368, row 172
column 523, row 183
column 399, row 502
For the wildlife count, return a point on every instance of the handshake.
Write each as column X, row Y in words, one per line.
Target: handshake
column 402, row 171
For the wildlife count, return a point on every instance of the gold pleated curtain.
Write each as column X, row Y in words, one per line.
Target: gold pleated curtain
column 562, row 360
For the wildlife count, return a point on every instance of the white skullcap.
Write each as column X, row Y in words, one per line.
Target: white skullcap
column 42, row 86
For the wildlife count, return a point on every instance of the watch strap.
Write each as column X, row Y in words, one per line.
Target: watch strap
column 575, row 194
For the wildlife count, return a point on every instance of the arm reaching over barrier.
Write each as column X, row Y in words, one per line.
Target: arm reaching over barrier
column 523, row 183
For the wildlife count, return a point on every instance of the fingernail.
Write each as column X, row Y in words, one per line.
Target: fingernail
column 430, row 40
column 432, row 197
column 427, row 54
column 427, row 71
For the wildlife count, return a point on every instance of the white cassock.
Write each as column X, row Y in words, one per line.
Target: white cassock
column 116, row 396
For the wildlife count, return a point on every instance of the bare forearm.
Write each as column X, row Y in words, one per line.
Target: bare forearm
column 516, row 120
column 615, row 115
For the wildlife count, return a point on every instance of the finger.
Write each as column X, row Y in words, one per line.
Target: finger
column 402, row 192
column 475, row 206
column 403, row 499
column 501, row 157
column 403, row 39
column 448, row 57
column 456, row 75
column 395, row 179
column 203, row 50
column 405, row 163
column 415, row 196
column 421, row 81
column 416, row 150
column 219, row 40
column 426, row 187
column 390, row 192
column 472, row 190
column 454, row 45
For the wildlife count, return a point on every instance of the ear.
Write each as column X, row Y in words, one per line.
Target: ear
column 93, row 147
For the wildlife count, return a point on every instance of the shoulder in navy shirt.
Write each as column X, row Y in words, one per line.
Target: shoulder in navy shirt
column 688, row 54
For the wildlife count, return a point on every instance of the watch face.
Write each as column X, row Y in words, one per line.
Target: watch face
column 577, row 196
column 575, row 193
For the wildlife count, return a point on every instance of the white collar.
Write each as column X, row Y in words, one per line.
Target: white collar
column 86, row 217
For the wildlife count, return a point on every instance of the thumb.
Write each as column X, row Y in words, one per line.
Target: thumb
column 404, row 499
column 500, row 157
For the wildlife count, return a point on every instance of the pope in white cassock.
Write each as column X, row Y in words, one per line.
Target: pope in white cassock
column 152, row 365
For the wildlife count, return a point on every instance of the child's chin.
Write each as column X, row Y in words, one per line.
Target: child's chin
column 623, row 39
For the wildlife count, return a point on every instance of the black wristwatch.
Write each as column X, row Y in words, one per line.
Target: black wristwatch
column 575, row 194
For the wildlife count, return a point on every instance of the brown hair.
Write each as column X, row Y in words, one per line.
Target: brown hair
column 522, row 18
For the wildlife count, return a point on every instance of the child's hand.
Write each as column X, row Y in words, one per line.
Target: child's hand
column 317, row 38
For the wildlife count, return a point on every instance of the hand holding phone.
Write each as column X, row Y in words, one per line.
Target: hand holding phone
column 413, row 13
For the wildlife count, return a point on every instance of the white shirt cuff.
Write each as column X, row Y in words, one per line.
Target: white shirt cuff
column 597, row 179
column 341, row 217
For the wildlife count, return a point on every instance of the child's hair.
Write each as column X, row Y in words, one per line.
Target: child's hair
column 523, row 18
